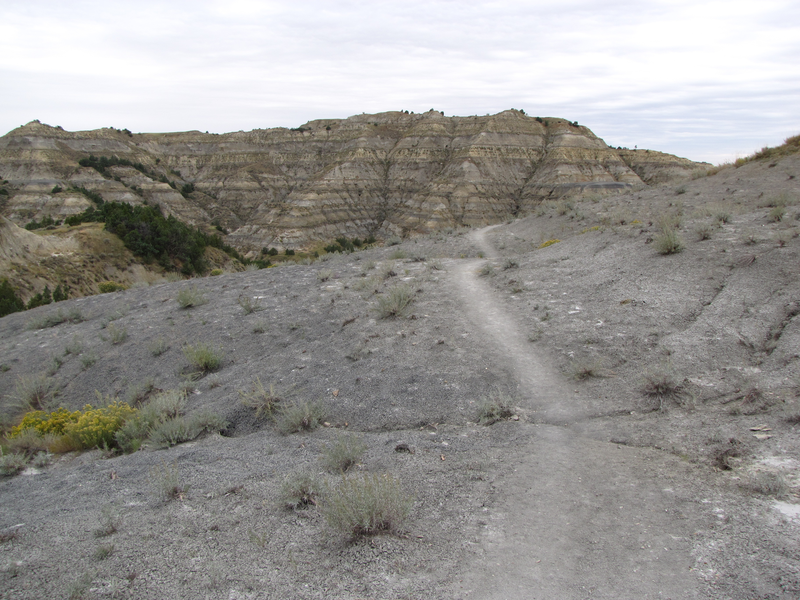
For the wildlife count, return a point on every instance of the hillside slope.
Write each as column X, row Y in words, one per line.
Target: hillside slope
column 385, row 174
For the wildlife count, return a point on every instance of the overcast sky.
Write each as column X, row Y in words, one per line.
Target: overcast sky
column 705, row 80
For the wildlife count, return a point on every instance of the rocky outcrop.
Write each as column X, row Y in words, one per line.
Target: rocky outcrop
column 384, row 174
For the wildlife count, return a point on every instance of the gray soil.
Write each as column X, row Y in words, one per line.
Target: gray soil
column 591, row 489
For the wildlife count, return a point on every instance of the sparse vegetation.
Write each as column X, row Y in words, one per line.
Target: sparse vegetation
column 342, row 454
column 768, row 483
column 34, row 392
column 106, row 287
column 395, row 302
column 263, row 400
column 668, row 241
column 204, row 357
column 300, row 415
column 662, row 384
column 117, row 334
column 158, row 346
column 493, row 409
column 249, row 304
column 166, row 482
column 487, row 270
column 300, row 490
column 53, row 319
column 189, row 297
column 366, row 505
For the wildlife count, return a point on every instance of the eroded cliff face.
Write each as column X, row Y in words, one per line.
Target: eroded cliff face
column 384, row 174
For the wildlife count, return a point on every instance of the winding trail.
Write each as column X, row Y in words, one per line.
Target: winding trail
column 572, row 517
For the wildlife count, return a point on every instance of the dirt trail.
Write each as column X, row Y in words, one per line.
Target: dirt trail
column 573, row 517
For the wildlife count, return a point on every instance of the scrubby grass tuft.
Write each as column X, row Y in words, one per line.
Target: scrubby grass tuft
column 117, row 334
column 300, row 490
column 34, row 392
column 768, row 484
column 249, row 304
column 668, row 241
column 339, row 456
column 263, row 400
column 191, row 296
column 300, row 416
column 493, row 409
column 166, row 481
column 158, row 347
column 204, row 357
column 662, row 384
column 395, row 302
column 366, row 505
column 73, row 315
column 11, row 464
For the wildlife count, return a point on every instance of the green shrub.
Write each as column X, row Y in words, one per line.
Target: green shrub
column 87, row 360
column 366, row 505
column 668, row 241
column 106, row 287
column 300, row 416
column 398, row 254
column 191, row 296
column 395, row 302
column 204, row 357
column 9, row 301
column 216, row 272
column 343, row 453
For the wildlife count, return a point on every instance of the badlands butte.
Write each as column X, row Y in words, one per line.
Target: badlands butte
column 591, row 389
column 383, row 175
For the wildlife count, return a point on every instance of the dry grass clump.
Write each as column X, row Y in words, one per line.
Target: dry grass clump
column 300, row 416
column 73, row 315
column 668, row 241
column 166, row 481
column 345, row 452
column 662, row 384
column 191, row 296
column 34, row 392
column 263, row 400
column 204, row 357
column 300, row 490
column 581, row 369
column 493, row 409
column 249, row 304
column 395, row 302
column 768, row 483
column 366, row 505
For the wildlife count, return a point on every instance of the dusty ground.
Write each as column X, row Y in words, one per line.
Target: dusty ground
column 598, row 490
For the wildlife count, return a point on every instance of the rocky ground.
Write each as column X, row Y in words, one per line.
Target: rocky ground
column 590, row 488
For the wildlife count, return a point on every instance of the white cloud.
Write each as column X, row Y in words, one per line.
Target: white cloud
column 701, row 79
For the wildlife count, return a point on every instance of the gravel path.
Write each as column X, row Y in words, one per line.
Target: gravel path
column 573, row 517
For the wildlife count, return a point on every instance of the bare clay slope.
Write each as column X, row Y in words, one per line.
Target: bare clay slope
column 384, row 174
column 589, row 490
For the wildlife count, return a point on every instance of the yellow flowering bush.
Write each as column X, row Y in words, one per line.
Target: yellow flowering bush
column 89, row 428
column 44, row 423
column 95, row 428
column 548, row 243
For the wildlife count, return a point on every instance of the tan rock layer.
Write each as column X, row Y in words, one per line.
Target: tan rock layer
column 383, row 174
